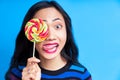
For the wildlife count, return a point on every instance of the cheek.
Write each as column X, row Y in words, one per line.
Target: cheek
column 38, row 47
column 63, row 36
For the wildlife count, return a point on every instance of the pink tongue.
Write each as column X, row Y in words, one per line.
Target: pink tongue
column 49, row 46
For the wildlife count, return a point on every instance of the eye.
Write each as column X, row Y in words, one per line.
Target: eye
column 58, row 26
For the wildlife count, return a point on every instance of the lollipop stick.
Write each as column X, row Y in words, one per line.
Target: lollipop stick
column 34, row 49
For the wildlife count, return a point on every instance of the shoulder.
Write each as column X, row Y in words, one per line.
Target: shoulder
column 77, row 68
column 80, row 70
column 16, row 72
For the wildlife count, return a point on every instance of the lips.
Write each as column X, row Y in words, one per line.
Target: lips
column 50, row 47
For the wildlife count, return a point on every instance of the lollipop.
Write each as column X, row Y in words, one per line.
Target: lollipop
column 36, row 31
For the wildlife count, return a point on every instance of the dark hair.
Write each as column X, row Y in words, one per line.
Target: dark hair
column 23, row 49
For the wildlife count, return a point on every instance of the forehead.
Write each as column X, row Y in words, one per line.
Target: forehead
column 48, row 13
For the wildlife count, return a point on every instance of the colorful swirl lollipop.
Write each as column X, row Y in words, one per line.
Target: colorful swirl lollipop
column 36, row 31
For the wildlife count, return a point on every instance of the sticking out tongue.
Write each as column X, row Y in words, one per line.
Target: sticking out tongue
column 50, row 48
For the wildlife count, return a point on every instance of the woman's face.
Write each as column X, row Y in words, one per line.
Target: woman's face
column 52, row 46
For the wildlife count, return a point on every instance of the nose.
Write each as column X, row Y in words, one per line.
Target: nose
column 51, row 34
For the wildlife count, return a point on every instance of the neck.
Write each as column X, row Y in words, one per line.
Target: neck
column 53, row 64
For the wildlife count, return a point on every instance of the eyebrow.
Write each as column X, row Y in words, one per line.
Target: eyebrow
column 56, row 19
column 53, row 19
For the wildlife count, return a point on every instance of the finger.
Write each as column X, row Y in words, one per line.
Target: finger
column 38, row 73
column 33, row 68
column 37, row 67
column 24, row 74
column 28, row 75
column 32, row 60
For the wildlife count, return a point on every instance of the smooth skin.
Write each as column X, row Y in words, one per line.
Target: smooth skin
column 50, row 49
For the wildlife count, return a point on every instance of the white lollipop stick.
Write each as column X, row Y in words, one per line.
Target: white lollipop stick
column 34, row 49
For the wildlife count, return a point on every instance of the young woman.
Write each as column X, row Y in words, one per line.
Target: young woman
column 56, row 57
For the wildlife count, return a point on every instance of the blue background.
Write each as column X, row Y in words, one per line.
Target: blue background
column 96, row 28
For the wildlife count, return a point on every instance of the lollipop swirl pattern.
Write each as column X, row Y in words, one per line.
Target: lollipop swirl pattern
column 36, row 30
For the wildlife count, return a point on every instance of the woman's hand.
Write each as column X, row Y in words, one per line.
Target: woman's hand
column 32, row 71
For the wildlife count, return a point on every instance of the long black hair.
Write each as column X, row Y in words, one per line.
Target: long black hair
column 23, row 47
